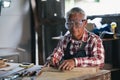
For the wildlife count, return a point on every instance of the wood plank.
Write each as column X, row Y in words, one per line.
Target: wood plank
column 49, row 73
column 4, row 65
column 84, row 69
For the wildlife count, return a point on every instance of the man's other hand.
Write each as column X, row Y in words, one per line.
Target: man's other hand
column 67, row 64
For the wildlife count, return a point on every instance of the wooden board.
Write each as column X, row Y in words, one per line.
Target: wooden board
column 3, row 66
column 78, row 69
column 49, row 73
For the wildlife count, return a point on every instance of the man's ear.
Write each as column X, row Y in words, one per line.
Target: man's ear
column 85, row 23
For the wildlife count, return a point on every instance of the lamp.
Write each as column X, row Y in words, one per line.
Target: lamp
column 4, row 4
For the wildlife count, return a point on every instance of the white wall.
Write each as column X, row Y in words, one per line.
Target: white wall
column 15, row 28
column 95, row 8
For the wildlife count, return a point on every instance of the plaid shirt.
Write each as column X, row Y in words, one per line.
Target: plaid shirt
column 94, row 50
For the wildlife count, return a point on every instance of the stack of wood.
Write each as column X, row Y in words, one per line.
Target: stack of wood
column 3, row 63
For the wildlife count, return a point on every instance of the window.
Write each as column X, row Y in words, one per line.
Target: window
column 95, row 7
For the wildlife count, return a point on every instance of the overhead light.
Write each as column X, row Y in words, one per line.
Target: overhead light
column 5, row 3
column 43, row 0
column 58, row 0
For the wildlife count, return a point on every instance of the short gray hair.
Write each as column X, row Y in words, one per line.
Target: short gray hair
column 75, row 10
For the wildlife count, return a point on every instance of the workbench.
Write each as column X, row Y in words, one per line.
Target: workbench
column 77, row 74
column 49, row 73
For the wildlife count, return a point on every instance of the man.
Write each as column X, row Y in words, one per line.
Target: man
column 79, row 48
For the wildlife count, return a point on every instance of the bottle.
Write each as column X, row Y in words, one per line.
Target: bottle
column 113, row 26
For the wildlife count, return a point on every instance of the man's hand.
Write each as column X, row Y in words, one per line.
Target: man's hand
column 67, row 64
column 53, row 62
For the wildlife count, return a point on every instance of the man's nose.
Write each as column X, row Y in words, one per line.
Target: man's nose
column 73, row 25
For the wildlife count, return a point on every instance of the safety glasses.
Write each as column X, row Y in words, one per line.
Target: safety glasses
column 75, row 24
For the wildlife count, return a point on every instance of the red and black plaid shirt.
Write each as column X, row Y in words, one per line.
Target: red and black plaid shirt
column 93, row 48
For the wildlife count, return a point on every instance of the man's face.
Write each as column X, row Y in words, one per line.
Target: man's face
column 76, row 25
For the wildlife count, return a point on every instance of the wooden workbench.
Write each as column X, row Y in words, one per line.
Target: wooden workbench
column 49, row 73
column 89, row 73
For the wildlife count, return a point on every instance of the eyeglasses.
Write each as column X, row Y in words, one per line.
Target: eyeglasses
column 77, row 24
